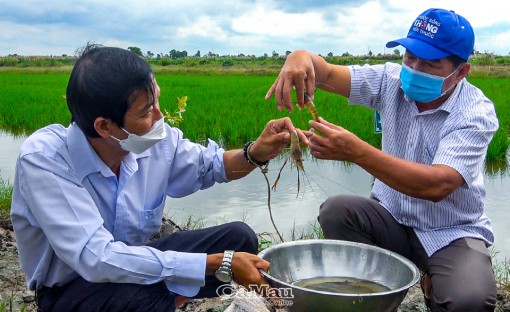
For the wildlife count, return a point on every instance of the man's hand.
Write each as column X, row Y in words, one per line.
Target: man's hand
column 298, row 72
column 336, row 143
column 246, row 266
column 273, row 139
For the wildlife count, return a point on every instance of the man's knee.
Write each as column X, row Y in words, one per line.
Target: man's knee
column 333, row 214
column 466, row 299
column 462, row 277
column 244, row 236
column 333, row 211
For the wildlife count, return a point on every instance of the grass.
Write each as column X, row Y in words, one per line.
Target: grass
column 217, row 108
column 493, row 90
column 5, row 201
column 501, row 270
column 226, row 105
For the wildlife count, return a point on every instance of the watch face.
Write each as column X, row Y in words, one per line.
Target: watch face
column 224, row 276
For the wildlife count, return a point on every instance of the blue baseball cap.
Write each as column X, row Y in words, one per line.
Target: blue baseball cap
column 438, row 33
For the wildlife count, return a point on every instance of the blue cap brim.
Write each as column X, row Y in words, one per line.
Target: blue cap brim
column 419, row 48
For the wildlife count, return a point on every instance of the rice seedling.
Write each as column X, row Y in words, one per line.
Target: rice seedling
column 228, row 108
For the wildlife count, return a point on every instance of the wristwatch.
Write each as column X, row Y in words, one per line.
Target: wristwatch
column 224, row 272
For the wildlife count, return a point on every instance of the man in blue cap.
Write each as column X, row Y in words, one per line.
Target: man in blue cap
column 427, row 201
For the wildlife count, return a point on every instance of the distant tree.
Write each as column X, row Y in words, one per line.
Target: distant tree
column 346, row 54
column 370, row 53
column 396, row 52
column 136, row 50
column 177, row 54
column 150, row 54
column 287, row 52
column 197, row 54
column 330, row 54
column 275, row 54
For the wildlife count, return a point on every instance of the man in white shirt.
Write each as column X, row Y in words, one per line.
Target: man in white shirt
column 88, row 197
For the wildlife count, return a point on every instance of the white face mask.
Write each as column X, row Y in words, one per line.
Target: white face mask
column 140, row 143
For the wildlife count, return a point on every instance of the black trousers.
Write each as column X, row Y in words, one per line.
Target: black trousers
column 461, row 273
column 81, row 295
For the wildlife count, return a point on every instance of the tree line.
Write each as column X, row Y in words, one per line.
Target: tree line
column 183, row 58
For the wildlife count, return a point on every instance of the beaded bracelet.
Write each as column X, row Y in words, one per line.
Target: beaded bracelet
column 246, row 153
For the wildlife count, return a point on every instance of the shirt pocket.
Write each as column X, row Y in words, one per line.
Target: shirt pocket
column 150, row 220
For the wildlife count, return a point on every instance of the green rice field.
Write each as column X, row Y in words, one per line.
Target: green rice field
column 228, row 108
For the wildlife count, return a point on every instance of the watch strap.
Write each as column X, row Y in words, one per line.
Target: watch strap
column 226, row 266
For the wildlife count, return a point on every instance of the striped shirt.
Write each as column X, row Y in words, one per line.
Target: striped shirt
column 457, row 135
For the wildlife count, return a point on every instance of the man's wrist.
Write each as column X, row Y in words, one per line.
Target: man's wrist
column 249, row 159
column 224, row 272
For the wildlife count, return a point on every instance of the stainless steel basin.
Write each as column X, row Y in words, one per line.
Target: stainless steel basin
column 305, row 259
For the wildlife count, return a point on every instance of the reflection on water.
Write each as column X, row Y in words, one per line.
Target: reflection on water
column 341, row 285
column 496, row 169
column 246, row 199
column 9, row 149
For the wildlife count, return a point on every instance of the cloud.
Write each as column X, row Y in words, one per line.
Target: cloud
column 278, row 24
column 33, row 27
column 300, row 6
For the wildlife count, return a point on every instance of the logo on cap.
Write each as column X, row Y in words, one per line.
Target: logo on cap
column 426, row 27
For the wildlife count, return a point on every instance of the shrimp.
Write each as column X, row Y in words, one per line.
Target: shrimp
column 295, row 150
column 297, row 157
column 311, row 107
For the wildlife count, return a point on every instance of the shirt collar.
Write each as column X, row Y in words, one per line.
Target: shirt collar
column 85, row 158
column 450, row 103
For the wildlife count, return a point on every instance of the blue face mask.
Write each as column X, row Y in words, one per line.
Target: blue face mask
column 420, row 86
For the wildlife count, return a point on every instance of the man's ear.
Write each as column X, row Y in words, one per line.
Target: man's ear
column 103, row 126
column 463, row 71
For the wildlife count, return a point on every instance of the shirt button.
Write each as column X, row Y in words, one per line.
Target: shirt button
column 148, row 215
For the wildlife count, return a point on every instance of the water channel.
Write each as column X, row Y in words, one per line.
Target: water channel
column 247, row 199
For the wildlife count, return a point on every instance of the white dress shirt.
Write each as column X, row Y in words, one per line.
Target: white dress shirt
column 72, row 216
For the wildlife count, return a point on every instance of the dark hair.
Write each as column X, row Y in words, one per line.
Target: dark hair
column 456, row 61
column 104, row 83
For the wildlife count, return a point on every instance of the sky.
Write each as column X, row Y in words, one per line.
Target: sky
column 233, row 27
